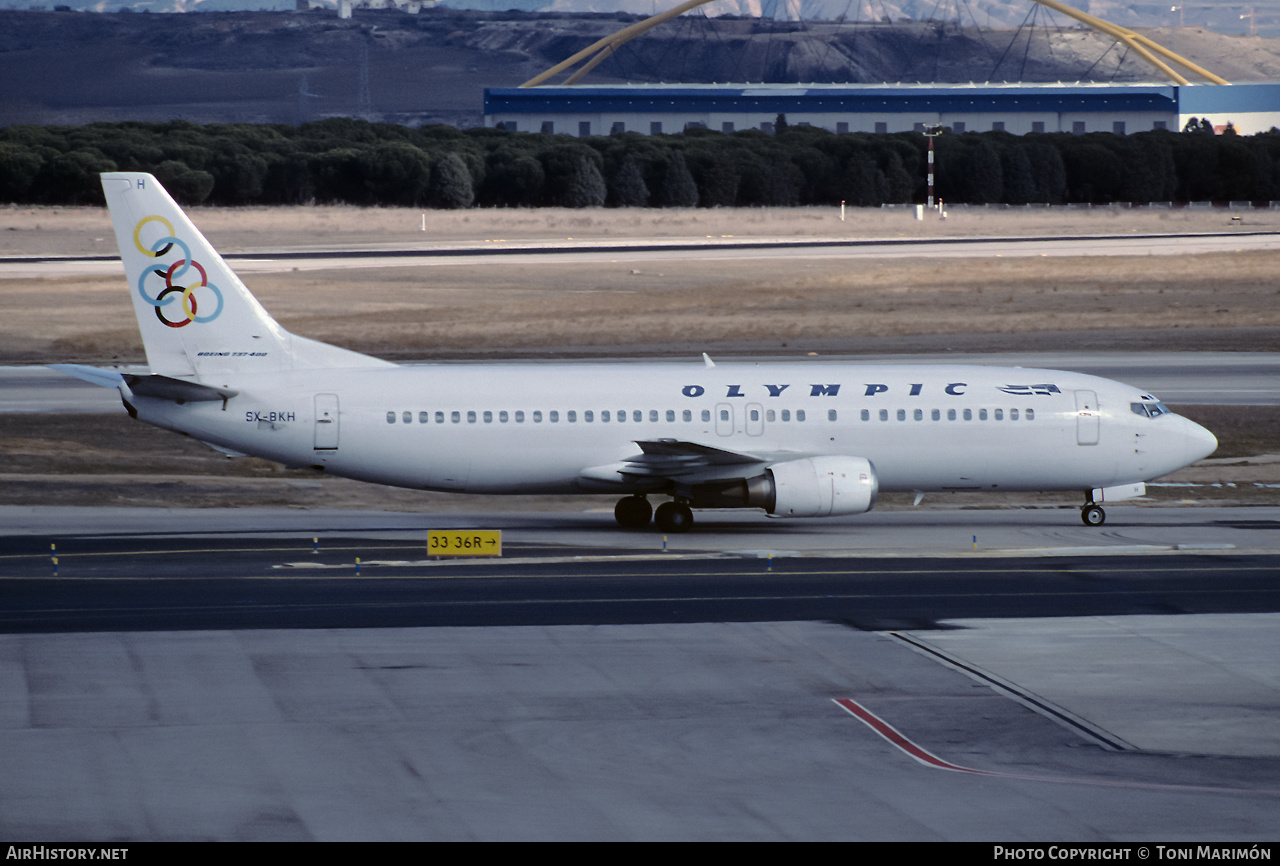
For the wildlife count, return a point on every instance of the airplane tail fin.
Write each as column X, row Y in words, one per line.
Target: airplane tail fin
column 197, row 319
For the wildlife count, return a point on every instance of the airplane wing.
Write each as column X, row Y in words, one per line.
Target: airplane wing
column 673, row 458
column 678, row 460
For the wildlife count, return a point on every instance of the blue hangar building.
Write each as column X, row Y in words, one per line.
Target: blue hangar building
column 1016, row 108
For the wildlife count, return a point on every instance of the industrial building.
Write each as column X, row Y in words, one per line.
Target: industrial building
column 1077, row 108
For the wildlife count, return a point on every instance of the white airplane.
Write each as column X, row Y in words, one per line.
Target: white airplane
column 795, row 440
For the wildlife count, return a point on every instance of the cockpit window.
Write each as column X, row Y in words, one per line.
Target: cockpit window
column 1154, row 409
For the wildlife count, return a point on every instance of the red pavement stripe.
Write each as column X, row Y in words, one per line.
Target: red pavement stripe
column 884, row 729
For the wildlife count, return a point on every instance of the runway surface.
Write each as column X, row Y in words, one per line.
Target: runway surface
column 500, row 253
column 221, row 680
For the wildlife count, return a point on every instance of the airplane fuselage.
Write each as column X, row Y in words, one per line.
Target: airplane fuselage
column 536, row 428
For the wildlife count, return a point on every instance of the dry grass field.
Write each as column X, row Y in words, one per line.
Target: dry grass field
column 745, row 305
column 772, row 306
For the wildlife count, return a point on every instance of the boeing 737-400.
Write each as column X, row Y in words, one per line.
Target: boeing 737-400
column 797, row 440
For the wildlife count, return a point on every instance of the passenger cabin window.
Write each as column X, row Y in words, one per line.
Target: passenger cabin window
column 391, row 417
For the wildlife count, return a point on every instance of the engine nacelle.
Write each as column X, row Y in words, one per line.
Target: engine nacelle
column 813, row 487
column 823, row 486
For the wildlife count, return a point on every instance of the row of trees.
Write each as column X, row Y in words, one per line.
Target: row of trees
column 344, row 160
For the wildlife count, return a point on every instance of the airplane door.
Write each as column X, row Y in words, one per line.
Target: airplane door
column 326, row 422
column 755, row 419
column 1087, row 418
column 724, row 419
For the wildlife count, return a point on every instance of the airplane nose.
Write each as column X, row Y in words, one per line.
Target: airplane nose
column 1200, row 442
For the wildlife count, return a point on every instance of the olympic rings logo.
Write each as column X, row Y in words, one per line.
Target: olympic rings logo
column 175, row 291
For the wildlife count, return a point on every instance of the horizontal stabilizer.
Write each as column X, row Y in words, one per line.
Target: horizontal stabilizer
column 178, row 390
column 93, row 375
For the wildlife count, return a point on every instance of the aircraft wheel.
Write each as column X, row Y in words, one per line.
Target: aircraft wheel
column 633, row 512
column 1093, row 515
column 674, row 517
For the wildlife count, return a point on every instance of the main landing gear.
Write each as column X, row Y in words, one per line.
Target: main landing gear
column 1092, row 514
column 634, row 512
column 674, row 517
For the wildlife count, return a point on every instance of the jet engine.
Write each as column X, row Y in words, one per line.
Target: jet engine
column 813, row 487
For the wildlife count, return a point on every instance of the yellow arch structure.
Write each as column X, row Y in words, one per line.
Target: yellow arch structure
column 606, row 46
column 1145, row 48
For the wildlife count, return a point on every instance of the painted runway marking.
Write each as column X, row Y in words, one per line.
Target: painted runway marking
column 890, row 733
column 924, row 756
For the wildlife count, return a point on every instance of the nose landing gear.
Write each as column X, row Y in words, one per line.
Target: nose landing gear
column 1092, row 514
